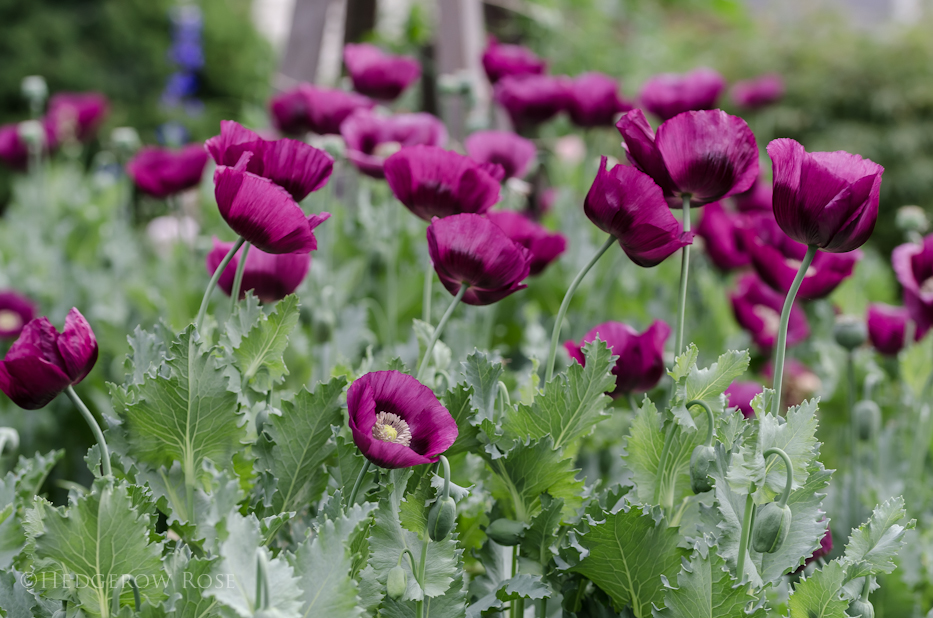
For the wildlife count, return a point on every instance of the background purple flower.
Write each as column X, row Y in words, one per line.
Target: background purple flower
column 740, row 395
column 719, row 228
column 13, row 150
column 913, row 265
column 511, row 151
column 758, row 198
column 471, row 250
column 272, row 277
column 800, row 382
column 532, row 99
column 371, row 138
column 887, row 327
column 669, row 94
column 161, row 172
column 758, row 92
column 378, row 74
column 328, row 108
column 15, row 312
column 76, row 114
column 593, row 100
column 640, row 365
column 291, row 112
column 43, row 362
column 757, row 309
column 396, row 421
column 545, row 246
column 502, row 60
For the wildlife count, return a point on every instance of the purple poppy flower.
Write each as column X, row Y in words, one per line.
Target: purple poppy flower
column 43, row 362
column 641, row 356
column 370, row 138
column 719, row 228
column 545, row 246
column 378, row 74
column 756, row 199
column 76, row 114
column 776, row 258
column 593, row 100
column 291, row 111
column 161, row 172
column 887, row 327
column 272, row 277
column 15, row 312
column 471, row 250
column 757, row 309
column 740, row 395
column 669, row 94
column 397, row 422
column 826, row 546
column 800, row 383
column 433, row 182
column 628, row 204
column 13, row 150
column 328, row 108
column 532, row 99
column 913, row 265
column 758, row 92
column 706, row 154
column 827, row 199
column 262, row 212
column 295, row 166
column 509, row 150
column 502, row 60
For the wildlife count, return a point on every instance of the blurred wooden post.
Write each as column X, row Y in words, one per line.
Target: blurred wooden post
column 303, row 50
column 458, row 47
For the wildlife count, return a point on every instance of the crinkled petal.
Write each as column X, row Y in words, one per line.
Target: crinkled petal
column 31, row 382
column 641, row 149
column 77, row 346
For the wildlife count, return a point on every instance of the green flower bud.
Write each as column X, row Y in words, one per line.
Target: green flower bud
column 850, row 332
column 911, row 219
column 442, row 518
column 505, row 531
column 860, row 608
column 867, row 419
column 772, row 523
column 34, row 89
column 396, row 582
column 700, row 462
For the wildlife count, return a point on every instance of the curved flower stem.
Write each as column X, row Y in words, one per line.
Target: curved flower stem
column 565, row 304
column 782, row 328
column 446, row 465
column 238, row 278
column 95, row 429
column 118, row 592
column 709, row 415
column 426, row 293
column 746, row 533
column 789, row 470
column 359, row 481
column 438, row 330
column 213, row 282
column 684, row 272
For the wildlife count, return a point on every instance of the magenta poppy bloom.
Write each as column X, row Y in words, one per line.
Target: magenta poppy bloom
column 15, row 312
column 532, row 99
column 397, row 422
column 887, row 327
column 626, row 203
column 43, row 362
column 800, row 383
column 827, row 199
column 13, row 150
column 913, row 265
column 272, row 277
column 295, row 166
column 720, row 230
column 161, row 172
column 328, row 107
column 740, row 395
column 669, row 94
column 291, row 111
column 756, row 199
column 545, row 246
column 758, row 92
column 433, row 182
column 262, row 212
column 593, row 100
column 757, row 309
column 641, row 356
column 471, row 250
column 826, row 546
column 371, row 138
column 377, row 74
column 76, row 114
column 708, row 155
column 512, row 152
column 777, row 258
column 502, row 60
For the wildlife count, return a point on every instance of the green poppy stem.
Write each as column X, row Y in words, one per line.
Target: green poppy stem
column 853, row 439
column 746, row 533
column 359, row 481
column 438, row 330
column 781, row 346
column 95, row 429
column 789, row 471
column 199, row 321
column 684, row 272
column 421, row 569
column 426, row 293
column 238, row 278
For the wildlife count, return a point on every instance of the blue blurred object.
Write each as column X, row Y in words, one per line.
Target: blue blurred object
column 187, row 53
column 172, row 134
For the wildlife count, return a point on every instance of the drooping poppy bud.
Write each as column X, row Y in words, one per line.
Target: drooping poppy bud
column 545, row 246
column 757, row 309
column 593, row 100
column 860, row 608
column 740, row 395
column 76, row 115
column 532, row 99
column 772, row 523
column 442, row 518
column 16, row 311
column 501, row 60
column 377, row 74
column 43, row 362
column 887, row 327
column 396, row 582
column 371, row 138
column 913, row 265
column 669, row 94
column 640, row 365
column 701, row 460
column 513, row 152
column 272, row 277
column 758, row 92
column 161, row 172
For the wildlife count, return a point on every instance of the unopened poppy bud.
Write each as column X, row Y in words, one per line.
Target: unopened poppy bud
column 850, row 332
column 34, row 89
column 911, row 219
column 861, row 608
column 396, row 582
column 126, row 140
column 505, row 531
column 700, row 462
column 772, row 523
column 867, row 419
column 32, row 132
column 442, row 518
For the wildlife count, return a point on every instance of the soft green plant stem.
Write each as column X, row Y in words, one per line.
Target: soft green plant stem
column 565, row 304
column 789, row 471
column 710, row 432
column 684, row 272
column 118, row 592
column 853, row 440
column 392, row 294
column 238, row 277
column 199, row 321
column 746, row 533
column 421, row 567
column 95, row 429
column 438, row 330
column 513, row 606
column 781, row 346
column 359, row 481
column 426, row 293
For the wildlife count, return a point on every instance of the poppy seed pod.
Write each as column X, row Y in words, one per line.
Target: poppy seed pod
column 506, row 531
column 377, row 74
column 772, row 523
column 850, row 332
column 700, row 462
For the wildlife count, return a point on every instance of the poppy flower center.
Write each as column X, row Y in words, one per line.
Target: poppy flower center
column 770, row 318
column 10, row 320
column 926, row 288
column 795, row 264
column 386, row 149
column 391, row 428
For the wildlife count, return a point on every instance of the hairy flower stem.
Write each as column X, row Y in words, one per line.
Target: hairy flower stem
column 421, row 568
column 438, row 330
column 199, row 321
column 426, row 293
column 747, row 521
column 565, row 304
column 856, row 461
column 684, row 272
column 238, row 278
column 781, row 346
column 95, row 429
column 359, row 481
